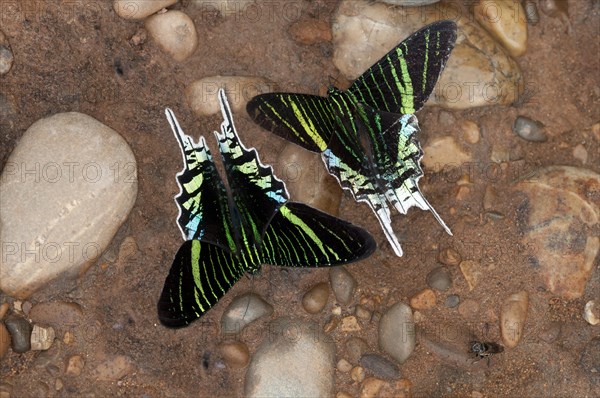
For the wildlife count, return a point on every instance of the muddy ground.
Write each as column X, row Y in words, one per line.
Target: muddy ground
column 79, row 57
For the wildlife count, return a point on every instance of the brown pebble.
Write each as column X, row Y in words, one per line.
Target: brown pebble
column 350, row 324
column 343, row 394
column 75, row 365
column 68, row 338
column 344, row 366
column 355, row 348
column 371, row 387
column 362, row 312
column 470, row 131
column 331, row 324
column 449, row 256
column 423, row 300
column 310, row 31
column 3, row 310
column 468, row 309
column 357, row 374
column 315, row 299
column 4, row 340
column 235, row 353
column 472, row 272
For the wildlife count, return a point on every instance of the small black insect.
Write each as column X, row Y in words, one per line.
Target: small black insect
column 485, row 350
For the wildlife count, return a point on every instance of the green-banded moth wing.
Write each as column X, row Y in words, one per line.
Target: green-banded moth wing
column 399, row 167
column 256, row 192
column 202, row 199
column 385, row 169
column 306, row 120
column 200, row 275
column 258, row 225
column 302, row 236
column 404, row 78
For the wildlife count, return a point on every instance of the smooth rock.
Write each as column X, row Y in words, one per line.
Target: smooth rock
column 452, row 301
column 343, row 366
column 243, row 310
column 470, row 131
column 580, row 153
column 201, row 95
column 448, row 352
column 529, row 129
column 75, row 365
column 6, row 56
column 442, row 152
column 4, row 340
column 343, row 284
column 358, row 374
column 556, row 220
column 512, row 318
column 310, row 31
column 66, row 189
column 371, row 387
column 297, row 360
column 343, row 394
column 397, row 332
column 478, row 73
column 42, row 338
column 139, row 9
column 114, row 369
column 4, row 307
column 62, row 315
column 355, row 348
column 315, row 299
column 362, row 312
column 307, row 180
column 423, row 300
column 505, row 21
column 531, row 12
column 449, row 256
column 174, row 32
column 439, row 279
column 591, row 312
column 472, row 271
column 554, row 8
column 235, row 353
column 20, row 333
column 380, row 366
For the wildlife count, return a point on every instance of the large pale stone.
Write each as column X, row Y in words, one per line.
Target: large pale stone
column 397, row 335
column 296, row 359
column 513, row 315
column 479, row 72
column 505, row 20
column 175, row 33
column 139, row 9
column 558, row 220
column 65, row 190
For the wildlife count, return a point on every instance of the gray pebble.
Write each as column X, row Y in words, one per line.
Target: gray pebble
column 397, row 336
column 355, row 348
column 439, row 279
column 452, row 301
column 20, row 333
column 380, row 366
column 343, row 284
column 531, row 12
column 243, row 310
column 6, row 59
column 529, row 129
